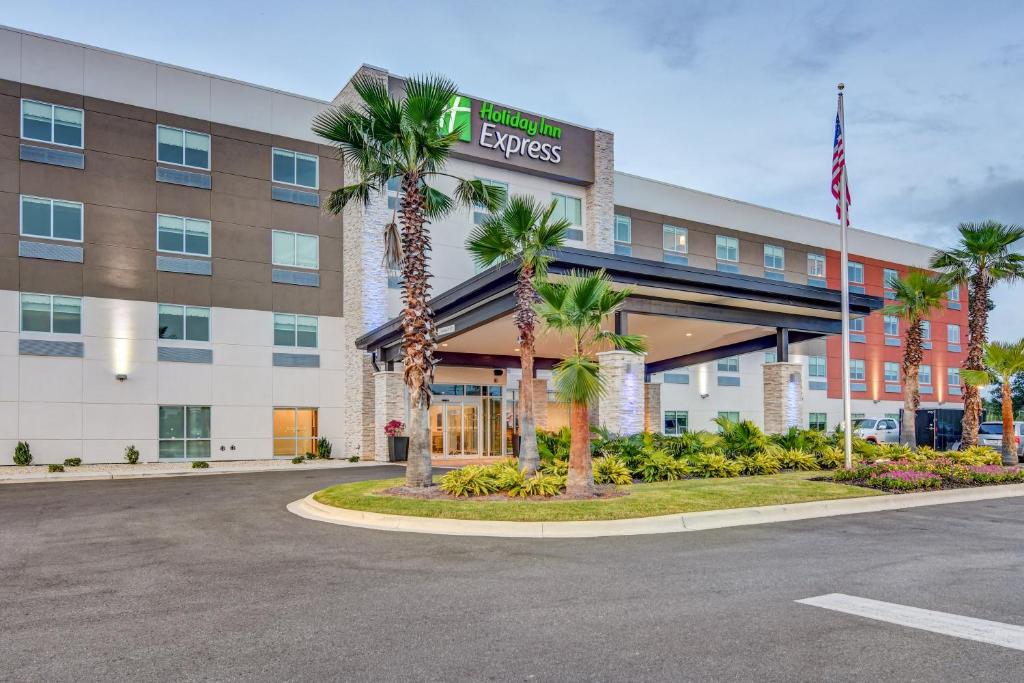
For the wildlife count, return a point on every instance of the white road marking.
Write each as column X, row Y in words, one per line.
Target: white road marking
column 981, row 630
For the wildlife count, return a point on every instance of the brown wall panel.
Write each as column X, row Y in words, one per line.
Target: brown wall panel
column 117, row 283
column 50, row 277
column 242, row 294
column 241, row 242
column 293, row 299
column 10, row 116
column 120, row 136
column 179, row 288
column 178, row 200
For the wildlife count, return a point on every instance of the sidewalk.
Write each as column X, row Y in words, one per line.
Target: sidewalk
column 12, row 474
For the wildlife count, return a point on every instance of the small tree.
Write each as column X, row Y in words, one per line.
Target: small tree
column 917, row 295
column 523, row 231
column 1002, row 362
column 577, row 306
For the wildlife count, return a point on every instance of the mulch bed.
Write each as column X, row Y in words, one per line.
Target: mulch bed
column 437, row 493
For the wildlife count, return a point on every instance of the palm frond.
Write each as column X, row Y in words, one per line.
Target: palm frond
column 343, row 196
column 436, row 204
column 577, row 379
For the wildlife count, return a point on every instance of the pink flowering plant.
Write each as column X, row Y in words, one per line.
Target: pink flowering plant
column 394, row 428
column 906, row 475
column 906, row 480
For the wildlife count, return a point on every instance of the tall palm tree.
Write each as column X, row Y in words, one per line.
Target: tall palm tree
column 1002, row 362
column 916, row 296
column 577, row 306
column 523, row 230
column 387, row 137
column 983, row 258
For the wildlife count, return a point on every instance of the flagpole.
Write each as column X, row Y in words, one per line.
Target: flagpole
column 845, row 294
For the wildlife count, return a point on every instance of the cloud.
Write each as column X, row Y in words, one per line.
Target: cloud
column 671, row 30
column 822, row 41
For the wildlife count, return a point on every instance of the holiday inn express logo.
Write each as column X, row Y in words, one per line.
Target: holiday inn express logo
column 457, row 116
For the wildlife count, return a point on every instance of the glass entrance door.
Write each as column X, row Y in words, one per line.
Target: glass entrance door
column 455, row 427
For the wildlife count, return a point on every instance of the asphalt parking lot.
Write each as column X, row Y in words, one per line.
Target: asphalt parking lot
column 210, row 578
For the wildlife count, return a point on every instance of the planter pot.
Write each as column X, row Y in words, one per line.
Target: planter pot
column 398, row 448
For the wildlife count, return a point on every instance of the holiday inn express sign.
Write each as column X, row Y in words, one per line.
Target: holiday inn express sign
column 504, row 136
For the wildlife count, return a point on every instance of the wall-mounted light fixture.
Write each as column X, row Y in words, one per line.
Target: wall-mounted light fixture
column 121, row 376
column 704, row 395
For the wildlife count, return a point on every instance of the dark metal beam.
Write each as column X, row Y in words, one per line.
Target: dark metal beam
column 782, row 345
column 737, row 349
column 487, row 360
column 728, row 314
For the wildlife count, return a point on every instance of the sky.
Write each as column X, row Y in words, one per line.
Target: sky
column 729, row 97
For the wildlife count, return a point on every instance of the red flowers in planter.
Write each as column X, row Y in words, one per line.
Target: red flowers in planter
column 394, row 428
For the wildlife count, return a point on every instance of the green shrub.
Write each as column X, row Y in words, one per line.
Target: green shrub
column 558, row 467
column 471, row 480
column 131, row 454
column 660, row 466
column 354, row 458
column 798, row 460
column 297, row 460
column 554, row 445
column 22, row 454
column 714, row 465
column 72, row 462
column 538, row 485
column 796, row 439
column 927, row 453
column 201, row 464
column 310, row 455
column 759, row 463
column 741, row 438
column 323, row 448
column 830, row 458
column 611, row 470
column 55, row 468
column 976, row 455
column 629, row 449
column 895, row 451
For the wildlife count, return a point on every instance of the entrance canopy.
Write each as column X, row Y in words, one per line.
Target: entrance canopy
column 689, row 315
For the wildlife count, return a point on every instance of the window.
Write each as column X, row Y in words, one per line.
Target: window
column 181, row 235
column 924, row 375
column 675, row 240
column 889, row 278
column 184, row 431
column 731, row 364
column 815, row 265
column 52, row 123
column 856, row 324
column 771, row 356
column 859, row 416
column 953, row 376
column 954, row 294
column 480, row 213
column 727, row 248
column 857, row 369
column 953, row 334
column 892, row 372
column 296, row 330
column 571, row 209
column 51, row 218
column 676, row 422
column 394, row 187
column 296, row 168
column 816, row 366
column 926, row 329
column 295, row 431
column 623, row 229
column 51, row 313
column 774, row 257
column 182, row 147
column 818, row 422
column 191, row 323
column 892, row 326
column 296, row 249
column 856, row 272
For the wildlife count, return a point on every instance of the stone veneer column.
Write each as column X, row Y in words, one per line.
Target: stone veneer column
column 540, row 403
column 389, row 404
column 600, row 197
column 621, row 408
column 652, row 407
column 783, row 396
column 364, row 300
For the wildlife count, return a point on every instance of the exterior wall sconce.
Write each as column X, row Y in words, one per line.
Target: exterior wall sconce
column 704, row 395
column 121, row 376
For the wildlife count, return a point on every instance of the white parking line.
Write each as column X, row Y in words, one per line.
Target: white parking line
column 981, row 630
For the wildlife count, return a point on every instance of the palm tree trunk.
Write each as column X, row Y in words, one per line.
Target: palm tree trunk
column 977, row 326
column 911, row 402
column 417, row 330
column 581, row 471
column 1009, row 447
column 529, row 456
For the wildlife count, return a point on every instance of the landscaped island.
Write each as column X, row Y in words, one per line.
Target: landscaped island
column 648, row 475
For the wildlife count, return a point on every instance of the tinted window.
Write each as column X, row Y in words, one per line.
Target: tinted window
column 991, row 428
column 864, row 424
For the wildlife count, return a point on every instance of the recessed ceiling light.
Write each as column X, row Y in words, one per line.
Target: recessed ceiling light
column 689, row 334
column 444, row 343
column 515, row 349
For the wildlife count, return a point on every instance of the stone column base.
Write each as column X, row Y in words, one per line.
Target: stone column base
column 389, row 404
column 783, row 397
column 652, row 408
column 621, row 408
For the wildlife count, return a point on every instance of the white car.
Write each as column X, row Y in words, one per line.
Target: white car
column 991, row 434
column 877, row 429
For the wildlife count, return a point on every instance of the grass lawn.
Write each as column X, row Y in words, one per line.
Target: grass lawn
column 644, row 500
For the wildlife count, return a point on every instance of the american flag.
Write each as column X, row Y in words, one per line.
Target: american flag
column 839, row 165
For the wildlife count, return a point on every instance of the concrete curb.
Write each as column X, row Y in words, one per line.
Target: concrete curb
column 214, row 470
column 688, row 521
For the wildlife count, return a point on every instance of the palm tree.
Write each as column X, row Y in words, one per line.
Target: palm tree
column 524, row 230
column 384, row 138
column 916, row 295
column 983, row 257
column 1002, row 362
column 577, row 306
